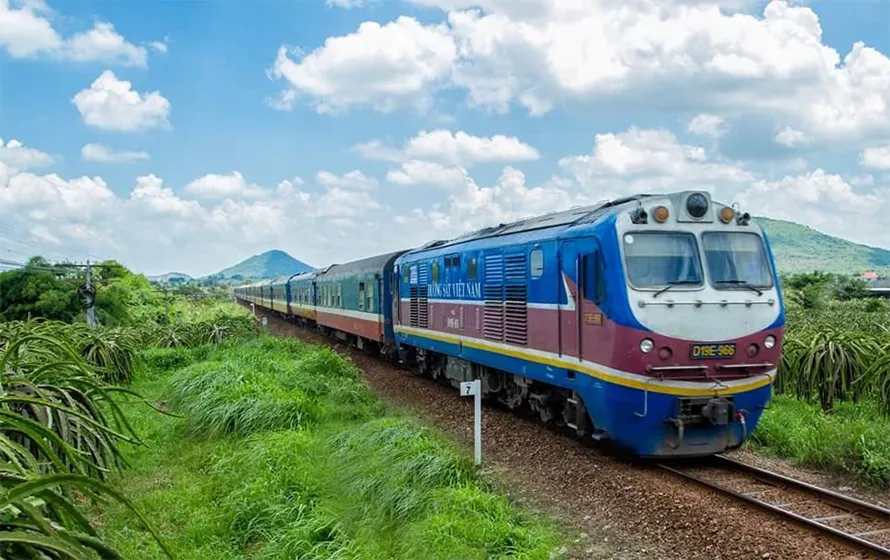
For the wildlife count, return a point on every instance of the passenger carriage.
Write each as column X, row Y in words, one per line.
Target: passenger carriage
column 301, row 296
column 351, row 301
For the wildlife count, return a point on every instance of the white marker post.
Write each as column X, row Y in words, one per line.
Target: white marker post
column 474, row 388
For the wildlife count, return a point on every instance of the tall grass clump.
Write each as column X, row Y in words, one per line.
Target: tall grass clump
column 266, row 384
column 387, row 488
column 300, row 461
column 851, row 439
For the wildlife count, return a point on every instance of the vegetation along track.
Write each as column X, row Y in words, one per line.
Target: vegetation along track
column 619, row 509
column 854, row 521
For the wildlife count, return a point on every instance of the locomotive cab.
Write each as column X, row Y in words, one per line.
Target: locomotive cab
column 704, row 302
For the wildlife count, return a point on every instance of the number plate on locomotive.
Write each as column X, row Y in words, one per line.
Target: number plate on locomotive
column 713, row 351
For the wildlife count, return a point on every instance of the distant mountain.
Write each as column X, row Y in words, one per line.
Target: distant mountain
column 799, row 248
column 270, row 264
column 170, row 277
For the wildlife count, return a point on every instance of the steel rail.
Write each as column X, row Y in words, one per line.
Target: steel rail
column 848, row 504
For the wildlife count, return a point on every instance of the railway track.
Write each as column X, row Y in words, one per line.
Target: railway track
column 861, row 524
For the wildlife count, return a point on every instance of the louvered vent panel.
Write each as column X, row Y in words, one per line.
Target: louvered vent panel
column 516, row 305
column 516, row 314
column 423, row 274
column 412, row 315
column 423, row 306
column 493, row 292
column 515, row 268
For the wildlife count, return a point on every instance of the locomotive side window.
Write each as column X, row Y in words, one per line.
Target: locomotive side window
column 537, row 263
column 471, row 269
column 655, row 260
column 736, row 259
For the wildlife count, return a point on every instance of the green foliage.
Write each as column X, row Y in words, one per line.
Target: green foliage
column 60, row 431
column 44, row 290
column 836, row 353
column 332, row 477
column 851, row 439
column 261, row 385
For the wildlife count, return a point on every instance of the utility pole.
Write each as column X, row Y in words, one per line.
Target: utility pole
column 91, row 311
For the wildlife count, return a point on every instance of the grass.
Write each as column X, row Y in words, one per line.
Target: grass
column 281, row 452
column 852, row 439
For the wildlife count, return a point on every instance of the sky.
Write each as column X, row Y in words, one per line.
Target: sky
column 188, row 135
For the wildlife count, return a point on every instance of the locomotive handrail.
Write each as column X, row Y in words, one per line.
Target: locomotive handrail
column 744, row 366
column 699, row 303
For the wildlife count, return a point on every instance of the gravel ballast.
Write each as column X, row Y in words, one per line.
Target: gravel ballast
column 620, row 510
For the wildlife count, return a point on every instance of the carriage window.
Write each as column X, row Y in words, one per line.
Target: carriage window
column 537, row 263
column 655, row 260
column 736, row 259
column 361, row 295
column 370, row 297
column 471, row 269
column 435, row 271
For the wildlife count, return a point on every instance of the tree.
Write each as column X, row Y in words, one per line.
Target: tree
column 848, row 288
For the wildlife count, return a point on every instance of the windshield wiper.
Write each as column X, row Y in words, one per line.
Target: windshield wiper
column 671, row 284
column 742, row 283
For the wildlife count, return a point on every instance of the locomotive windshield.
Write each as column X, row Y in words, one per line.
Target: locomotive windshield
column 736, row 259
column 656, row 260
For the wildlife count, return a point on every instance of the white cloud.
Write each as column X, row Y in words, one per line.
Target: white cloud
column 232, row 185
column 112, row 104
column 707, row 125
column 381, row 66
column 160, row 46
column 26, row 32
column 354, row 179
column 103, row 154
column 18, row 157
column 461, row 148
column 877, row 157
column 792, row 138
column 49, row 198
column 345, row 4
column 438, row 157
column 154, row 229
column 103, row 44
column 824, row 201
column 645, row 160
column 151, row 195
column 672, row 55
column 417, row 172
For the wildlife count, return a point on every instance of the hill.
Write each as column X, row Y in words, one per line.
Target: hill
column 270, row 264
column 170, row 277
column 799, row 248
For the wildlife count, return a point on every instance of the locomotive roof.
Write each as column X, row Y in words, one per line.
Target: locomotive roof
column 375, row 263
column 570, row 217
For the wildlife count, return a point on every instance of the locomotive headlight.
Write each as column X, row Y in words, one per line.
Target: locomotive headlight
column 661, row 214
column 646, row 345
column 697, row 205
column 726, row 215
column 769, row 341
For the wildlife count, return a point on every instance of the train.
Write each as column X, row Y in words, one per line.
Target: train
column 654, row 322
